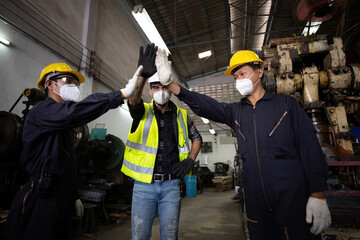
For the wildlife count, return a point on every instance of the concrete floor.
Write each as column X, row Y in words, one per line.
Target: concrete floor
column 210, row 215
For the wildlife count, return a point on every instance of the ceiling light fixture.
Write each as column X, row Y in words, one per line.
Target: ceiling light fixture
column 205, row 120
column 311, row 28
column 4, row 41
column 138, row 8
column 205, row 54
column 148, row 27
column 212, row 131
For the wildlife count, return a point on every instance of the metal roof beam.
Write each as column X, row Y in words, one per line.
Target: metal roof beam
column 228, row 26
column 261, row 26
column 247, row 23
column 296, row 28
column 210, row 33
column 262, row 4
column 273, row 11
column 189, row 32
column 169, row 35
column 206, row 31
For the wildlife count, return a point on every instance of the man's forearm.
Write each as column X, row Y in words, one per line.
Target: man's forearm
column 195, row 148
column 174, row 87
column 134, row 100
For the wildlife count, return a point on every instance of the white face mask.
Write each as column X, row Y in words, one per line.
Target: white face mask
column 161, row 97
column 245, row 86
column 69, row 92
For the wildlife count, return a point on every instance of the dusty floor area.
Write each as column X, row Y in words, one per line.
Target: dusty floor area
column 215, row 215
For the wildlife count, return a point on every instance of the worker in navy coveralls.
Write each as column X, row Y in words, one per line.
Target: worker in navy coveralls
column 285, row 172
column 45, row 205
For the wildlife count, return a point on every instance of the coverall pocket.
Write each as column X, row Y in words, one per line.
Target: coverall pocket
column 239, row 130
column 277, row 124
column 285, row 155
column 281, row 139
column 241, row 139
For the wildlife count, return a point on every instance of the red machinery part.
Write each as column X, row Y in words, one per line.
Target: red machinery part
column 318, row 10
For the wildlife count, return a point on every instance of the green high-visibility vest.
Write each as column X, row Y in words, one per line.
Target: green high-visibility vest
column 142, row 145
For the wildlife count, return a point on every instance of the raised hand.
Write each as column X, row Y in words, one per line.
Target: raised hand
column 147, row 60
column 163, row 67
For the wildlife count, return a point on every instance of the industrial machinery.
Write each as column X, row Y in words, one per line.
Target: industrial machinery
column 11, row 176
column 313, row 69
column 103, row 189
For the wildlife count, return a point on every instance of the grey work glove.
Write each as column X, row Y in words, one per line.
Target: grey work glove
column 147, row 60
column 130, row 88
column 317, row 213
column 163, row 67
column 182, row 168
column 79, row 208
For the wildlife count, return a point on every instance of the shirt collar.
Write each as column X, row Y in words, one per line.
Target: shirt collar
column 267, row 96
column 171, row 106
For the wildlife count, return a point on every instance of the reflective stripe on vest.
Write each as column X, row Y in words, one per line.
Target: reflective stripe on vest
column 183, row 149
column 141, row 147
column 139, row 169
column 146, row 131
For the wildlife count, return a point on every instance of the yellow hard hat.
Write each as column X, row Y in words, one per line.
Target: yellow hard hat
column 60, row 68
column 241, row 58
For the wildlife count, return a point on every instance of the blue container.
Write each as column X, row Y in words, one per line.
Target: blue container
column 190, row 182
column 98, row 133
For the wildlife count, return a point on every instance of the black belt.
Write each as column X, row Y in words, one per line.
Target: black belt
column 160, row 177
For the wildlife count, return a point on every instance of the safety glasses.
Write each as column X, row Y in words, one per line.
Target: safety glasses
column 66, row 79
column 159, row 87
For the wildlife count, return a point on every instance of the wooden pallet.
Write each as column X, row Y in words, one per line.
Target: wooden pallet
column 223, row 183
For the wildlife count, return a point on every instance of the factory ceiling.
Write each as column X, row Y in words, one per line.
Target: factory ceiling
column 224, row 27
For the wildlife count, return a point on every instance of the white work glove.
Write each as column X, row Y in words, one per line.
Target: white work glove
column 163, row 67
column 79, row 208
column 130, row 88
column 317, row 213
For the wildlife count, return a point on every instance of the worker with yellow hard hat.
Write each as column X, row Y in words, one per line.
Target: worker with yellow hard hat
column 45, row 205
column 56, row 69
column 285, row 172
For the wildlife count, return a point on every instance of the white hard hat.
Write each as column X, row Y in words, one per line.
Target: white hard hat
column 154, row 78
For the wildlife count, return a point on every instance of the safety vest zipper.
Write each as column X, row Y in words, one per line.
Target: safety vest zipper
column 258, row 161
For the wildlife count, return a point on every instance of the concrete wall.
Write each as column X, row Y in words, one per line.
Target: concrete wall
column 221, row 152
column 20, row 66
column 114, row 36
column 65, row 16
column 118, row 38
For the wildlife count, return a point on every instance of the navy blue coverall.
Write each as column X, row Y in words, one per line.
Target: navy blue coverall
column 283, row 160
column 49, row 148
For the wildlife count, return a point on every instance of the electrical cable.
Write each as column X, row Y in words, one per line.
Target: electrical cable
column 50, row 30
column 105, row 72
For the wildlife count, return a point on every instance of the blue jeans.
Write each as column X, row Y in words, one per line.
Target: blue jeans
column 163, row 197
